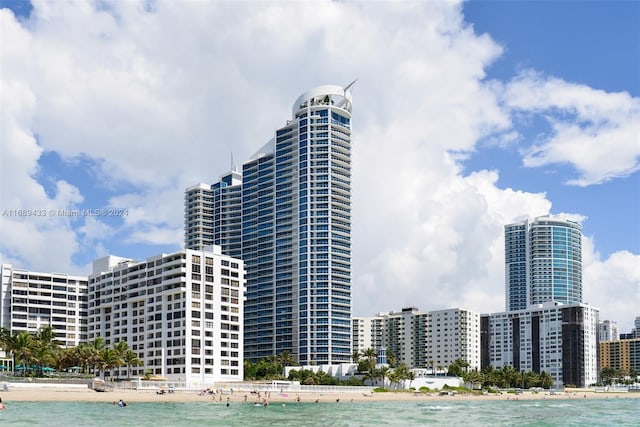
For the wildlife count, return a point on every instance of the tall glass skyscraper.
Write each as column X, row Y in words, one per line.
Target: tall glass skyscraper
column 543, row 262
column 295, row 213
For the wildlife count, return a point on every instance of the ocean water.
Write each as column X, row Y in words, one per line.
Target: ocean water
column 575, row 412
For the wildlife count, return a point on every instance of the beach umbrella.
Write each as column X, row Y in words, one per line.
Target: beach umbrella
column 48, row 369
column 3, row 367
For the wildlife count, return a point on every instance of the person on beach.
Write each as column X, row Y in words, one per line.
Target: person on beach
column 2, row 407
column 121, row 403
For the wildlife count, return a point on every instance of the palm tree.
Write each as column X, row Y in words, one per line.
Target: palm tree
column 402, row 373
column 432, row 363
column 508, row 376
column 95, row 348
column 546, row 380
column 109, row 359
column 121, row 348
column 394, row 378
column 489, row 376
column 392, row 360
column 7, row 342
column 130, row 358
column 45, row 347
column 41, row 356
column 472, row 377
column 22, row 348
column 85, row 355
column 47, row 337
column 384, row 373
column 355, row 356
column 371, row 355
column 285, row 359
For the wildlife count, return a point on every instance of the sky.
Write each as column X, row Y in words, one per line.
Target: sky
column 466, row 117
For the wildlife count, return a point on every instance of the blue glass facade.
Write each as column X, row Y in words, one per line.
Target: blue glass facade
column 258, row 252
column 294, row 206
column 543, row 262
column 517, row 266
column 227, row 218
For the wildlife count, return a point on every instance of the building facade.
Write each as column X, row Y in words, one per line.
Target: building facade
column 182, row 313
column 560, row 340
column 608, row 331
column 621, row 354
column 213, row 215
column 543, row 262
column 367, row 333
column 293, row 201
column 31, row 300
column 420, row 339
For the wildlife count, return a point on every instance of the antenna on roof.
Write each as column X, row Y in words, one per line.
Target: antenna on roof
column 234, row 168
column 350, row 84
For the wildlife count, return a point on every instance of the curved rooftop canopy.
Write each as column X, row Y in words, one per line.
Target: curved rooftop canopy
column 325, row 94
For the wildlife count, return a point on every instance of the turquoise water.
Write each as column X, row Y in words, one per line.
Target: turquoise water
column 601, row 412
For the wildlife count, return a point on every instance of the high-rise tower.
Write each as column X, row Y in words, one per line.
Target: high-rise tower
column 294, row 205
column 543, row 262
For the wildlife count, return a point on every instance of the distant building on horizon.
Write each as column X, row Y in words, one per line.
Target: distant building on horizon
column 608, row 331
column 543, row 262
column 287, row 214
column 623, row 354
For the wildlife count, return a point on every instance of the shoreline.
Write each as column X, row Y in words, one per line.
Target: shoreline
column 61, row 394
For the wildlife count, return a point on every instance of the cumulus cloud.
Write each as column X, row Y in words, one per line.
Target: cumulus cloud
column 156, row 96
column 598, row 133
column 612, row 284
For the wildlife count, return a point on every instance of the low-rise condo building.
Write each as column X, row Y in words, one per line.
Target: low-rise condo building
column 421, row 339
column 560, row 340
column 182, row 313
column 31, row 300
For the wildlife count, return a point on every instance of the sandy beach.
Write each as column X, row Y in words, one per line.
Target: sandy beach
column 131, row 396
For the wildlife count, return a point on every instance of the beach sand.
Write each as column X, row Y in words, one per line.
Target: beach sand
column 132, row 396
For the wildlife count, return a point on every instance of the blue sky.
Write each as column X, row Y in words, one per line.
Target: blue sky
column 596, row 43
column 466, row 117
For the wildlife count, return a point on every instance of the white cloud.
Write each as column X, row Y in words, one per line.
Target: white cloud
column 598, row 133
column 158, row 95
column 612, row 284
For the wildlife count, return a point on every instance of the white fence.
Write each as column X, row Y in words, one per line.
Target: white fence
column 233, row 387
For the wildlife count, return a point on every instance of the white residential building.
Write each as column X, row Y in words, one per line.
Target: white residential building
column 30, row 300
column 608, row 331
column 367, row 333
column 182, row 313
column 422, row 339
column 553, row 338
column 454, row 334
